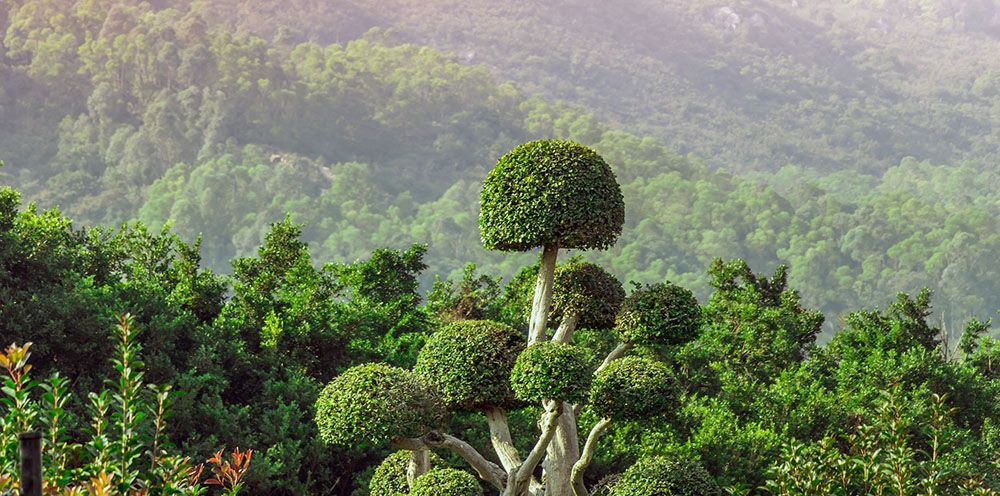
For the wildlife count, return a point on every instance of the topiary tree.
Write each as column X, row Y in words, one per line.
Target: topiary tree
column 632, row 388
column 666, row 476
column 551, row 370
column 393, row 477
column 375, row 404
column 553, row 194
column 584, row 295
column 469, row 363
column 446, row 482
column 661, row 314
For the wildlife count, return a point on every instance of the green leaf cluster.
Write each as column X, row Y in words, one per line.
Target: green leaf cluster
column 469, row 362
column 666, row 476
column 374, row 403
column 634, row 388
column 389, row 478
column 661, row 313
column 587, row 290
column 550, row 192
column 552, row 371
column 446, row 482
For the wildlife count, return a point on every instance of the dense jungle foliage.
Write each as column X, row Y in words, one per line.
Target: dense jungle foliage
column 255, row 155
column 170, row 112
column 757, row 403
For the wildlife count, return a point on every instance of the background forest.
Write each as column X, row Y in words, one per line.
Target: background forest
column 862, row 132
column 296, row 185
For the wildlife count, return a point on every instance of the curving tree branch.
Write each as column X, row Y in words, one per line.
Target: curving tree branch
column 587, row 456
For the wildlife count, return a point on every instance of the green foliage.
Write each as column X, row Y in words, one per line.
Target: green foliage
column 387, row 276
column 663, row 476
column 661, row 313
column 587, row 290
column 634, row 388
column 550, row 192
column 474, row 297
column 125, row 451
column 446, row 482
column 469, row 362
column 907, row 445
column 389, row 478
column 371, row 404
column 552, row 371
column 515, row 305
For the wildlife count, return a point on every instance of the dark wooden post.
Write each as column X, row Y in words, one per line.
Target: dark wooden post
column 31, row 463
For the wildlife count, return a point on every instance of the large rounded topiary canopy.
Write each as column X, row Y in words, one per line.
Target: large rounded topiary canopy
column 375, row 402
column 588, row 290
column 469, row 362
column 552, row 371
column 633, row 388
column 446, row 482
column 551, row 192
column 661, row 313
column 666, row 476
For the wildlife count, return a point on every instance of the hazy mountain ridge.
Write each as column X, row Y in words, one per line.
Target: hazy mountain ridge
column 750, row 85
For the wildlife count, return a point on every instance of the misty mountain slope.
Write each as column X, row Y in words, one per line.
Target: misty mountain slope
column 747, row 84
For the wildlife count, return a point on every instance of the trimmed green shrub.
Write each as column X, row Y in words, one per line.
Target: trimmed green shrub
column 446, row 482
column 634, row 388
column 389, row 478
column 552, row 371
column 469, row 363
column 550, row 192
column 662, row 313
column 590, row 291
column 372, row 403
column 666, row 476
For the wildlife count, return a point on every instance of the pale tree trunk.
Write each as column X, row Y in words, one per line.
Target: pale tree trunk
column 500, row 436
column 564, row 450
column 420, row 463
column 543, row 294
column 565, row 332
column 519, row 480
column 579, row 489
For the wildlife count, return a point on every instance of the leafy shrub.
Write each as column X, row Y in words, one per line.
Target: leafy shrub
column 374, row 402
column 126, row 451
column 469, row 363
column 661, row 313
column 633, row 388
column 550, row 192
column 552, row 371
column 389, row 478
column 587, row 290
column 665, row 476
column 446, row 482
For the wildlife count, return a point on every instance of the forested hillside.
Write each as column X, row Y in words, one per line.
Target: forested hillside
column 747, row 84
column 219, row 120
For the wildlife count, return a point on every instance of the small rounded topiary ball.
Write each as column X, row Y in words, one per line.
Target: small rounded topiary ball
column 634, row 388
column 550, row 192
column 446, row 482
column 666, row 476
column 372, row 403
column 469, row 362
column 552, row 371
column 590, row 291
column 389, row 478
column 662, row 313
